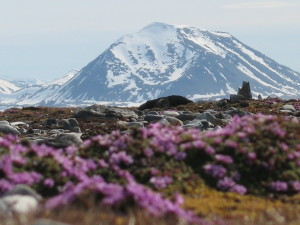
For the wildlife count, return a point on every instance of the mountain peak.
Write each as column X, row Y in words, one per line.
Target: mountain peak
column 161, row 60
column 158, row 26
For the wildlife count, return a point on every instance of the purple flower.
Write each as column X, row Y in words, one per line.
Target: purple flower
column 225, row 184
column 224, row 159
column 240, row 189
column 154, row 171
column 5, row 186
column 180, row 156
column 278, row 186
column 49, row 182
column 210, row 150
column 215, row 171
column 230, row 143
column 251, row 156
column 117, row 158
column 284, row 146
column 295, row 185
column 199, row 144
column 102, row 163
column 148, row 152
column 161, row 182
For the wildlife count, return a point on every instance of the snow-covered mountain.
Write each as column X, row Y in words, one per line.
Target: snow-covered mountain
column 34, row 92
column 162, row 59
column 7, row 87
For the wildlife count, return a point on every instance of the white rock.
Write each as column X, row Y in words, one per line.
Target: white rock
column 21, row 204
column 171, row 113
column 289, row 107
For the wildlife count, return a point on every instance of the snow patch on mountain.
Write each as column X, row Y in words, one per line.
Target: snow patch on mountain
column 7, row 87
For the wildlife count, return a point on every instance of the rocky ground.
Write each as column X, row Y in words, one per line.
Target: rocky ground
column 62, row 127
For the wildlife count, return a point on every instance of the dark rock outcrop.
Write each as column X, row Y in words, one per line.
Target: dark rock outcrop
column 245, row 91
column 165, row 102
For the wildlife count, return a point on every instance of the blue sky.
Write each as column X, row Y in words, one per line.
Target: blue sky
column 45, row 39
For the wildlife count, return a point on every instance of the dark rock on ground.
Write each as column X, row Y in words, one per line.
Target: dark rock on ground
column 70, row 124
column 244, row 104
column 105, row 112
column 153, row 118
column 222, row 103
column 165, row 102
column 236, row 98
column 187, row 116
column 152, row 113
column 233, row 112
column 51, row 122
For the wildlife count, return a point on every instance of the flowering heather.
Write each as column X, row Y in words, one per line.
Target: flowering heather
column 259, row 155
column 115, row 167
column 263, row 150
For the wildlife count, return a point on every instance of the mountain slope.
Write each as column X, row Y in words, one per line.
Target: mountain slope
column 34, row 93
column 163, row 59
column 7, row 87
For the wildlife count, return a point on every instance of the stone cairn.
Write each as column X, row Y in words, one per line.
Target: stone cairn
column 245, row 91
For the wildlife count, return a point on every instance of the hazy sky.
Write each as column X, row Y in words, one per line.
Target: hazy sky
column 45, row 39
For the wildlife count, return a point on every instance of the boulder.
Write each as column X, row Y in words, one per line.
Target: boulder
column 105, row 112
column 233, row 112
column 4, row 122
column 20, row 204
column 174, row 121
column 63, row 140
column 289, row 107
column 195, row 125
column 70, row 124
column 165, row 102
column 236, row 98
column 208, row 117
column 153, row 118
column 20, row 200
column 187, row 116
column 51, row 122
column 171, row 113
column 135, row 125
column 222, row 103
column 152, row 113
column 164, row 122
column 22, row 189
column 7, row 129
